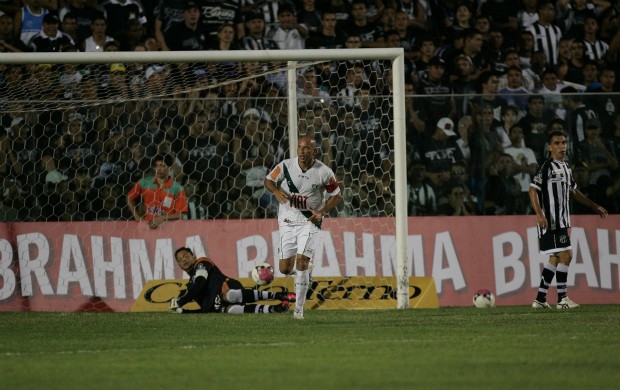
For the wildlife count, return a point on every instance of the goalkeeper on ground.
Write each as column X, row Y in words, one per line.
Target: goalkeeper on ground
column 216, row 293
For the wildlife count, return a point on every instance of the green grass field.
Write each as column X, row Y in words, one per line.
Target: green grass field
column 507, row 347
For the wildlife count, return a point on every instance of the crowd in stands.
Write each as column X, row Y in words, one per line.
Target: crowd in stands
column 485, row 80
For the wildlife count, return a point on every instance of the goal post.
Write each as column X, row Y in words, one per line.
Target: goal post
column 293, row 60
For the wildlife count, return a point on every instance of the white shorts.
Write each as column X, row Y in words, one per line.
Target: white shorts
column 298, row 239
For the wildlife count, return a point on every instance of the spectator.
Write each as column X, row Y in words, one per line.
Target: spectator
column 309, row 93
column 255, row 154
column 69, row 26
column 456, row 205
column 329, row 36
column 204, row 149
column 573, row 17
column 119, row 13
column 82, row 195
column 527, row 15
column 510, row 115
column 524, row 168
column 535, row 125
column 133, row 36
column 515, row 93
column 597, row 154
column 8, row 42
column 288, row 34
column 108, row 203
column 439, row 151
column 12, row 202
column 503, row 14
column 167, row 13
column 309, row 16
column 574, row 74
column 502, row 191
column 195, row 208
column 436, row 107
column 511, row 59
column 416, row 13
column 256, row 38
column 218, row 12
column 459, row 175
column 427, row 47
column 137, row 165
column 487, row 87
column 355, row 77
column 551, row 88
column 162, row 198
column 577, row 115
column 98, row 38
column 484, row 146
column 77, row 150
column 269, row 10
column 546, row 34
column 360, row 25
column 187, row 35
column 473, row 49
column 525, row 48
column 406, row 33
column 84, row 13
column 421, row 195
column 226, row 38
column 590, row 75
column 605, row 100
column 28, row 20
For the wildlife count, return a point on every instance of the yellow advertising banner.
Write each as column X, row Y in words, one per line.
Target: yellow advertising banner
column 356, row 292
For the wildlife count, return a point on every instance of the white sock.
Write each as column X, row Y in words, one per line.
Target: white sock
column 301, row 288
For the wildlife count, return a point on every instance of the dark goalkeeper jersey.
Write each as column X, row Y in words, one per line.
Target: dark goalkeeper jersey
column 206, row 292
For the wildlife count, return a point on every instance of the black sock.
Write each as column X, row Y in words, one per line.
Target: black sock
column 545, row 281
column 561, row 277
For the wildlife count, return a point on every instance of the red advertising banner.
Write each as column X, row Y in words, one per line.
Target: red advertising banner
column 73, row 266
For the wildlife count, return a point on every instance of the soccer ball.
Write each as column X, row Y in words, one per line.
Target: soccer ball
column 262, row 274
column 483, row 299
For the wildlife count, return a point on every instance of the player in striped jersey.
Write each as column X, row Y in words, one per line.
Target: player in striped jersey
column 549, row 194
column 299, row 184
column 215, row 292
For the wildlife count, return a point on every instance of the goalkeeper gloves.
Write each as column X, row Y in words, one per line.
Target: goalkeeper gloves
column 174, row 306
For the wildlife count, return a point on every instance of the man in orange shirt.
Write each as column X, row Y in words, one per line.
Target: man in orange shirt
column 163, row 198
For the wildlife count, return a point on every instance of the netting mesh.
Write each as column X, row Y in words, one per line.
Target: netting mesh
column 76, row 137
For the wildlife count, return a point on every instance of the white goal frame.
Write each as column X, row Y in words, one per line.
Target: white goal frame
column 396, row 55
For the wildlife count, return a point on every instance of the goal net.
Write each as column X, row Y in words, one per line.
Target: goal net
column 80, row 129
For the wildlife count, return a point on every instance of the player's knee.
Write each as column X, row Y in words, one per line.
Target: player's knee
column 234, row 296
column 286, row 266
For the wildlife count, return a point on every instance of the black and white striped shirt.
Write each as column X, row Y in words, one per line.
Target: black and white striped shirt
column 596, row 50
column 547, row 39
column 554, row 182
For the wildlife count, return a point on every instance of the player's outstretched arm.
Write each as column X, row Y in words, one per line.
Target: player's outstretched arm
column 584, row 200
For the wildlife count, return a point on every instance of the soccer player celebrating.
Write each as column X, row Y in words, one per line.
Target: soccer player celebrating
column 216, row 293
column 549, row 195
column 299, row 185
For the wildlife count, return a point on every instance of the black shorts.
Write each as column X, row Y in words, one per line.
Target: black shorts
column 554, row 241
column 215, row 299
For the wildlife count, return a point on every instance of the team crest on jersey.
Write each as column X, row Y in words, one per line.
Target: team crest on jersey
column 563, row 239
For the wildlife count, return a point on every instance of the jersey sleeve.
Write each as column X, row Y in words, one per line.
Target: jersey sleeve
column 539, row 177
column 135, row 192
column 276, row 174
column 331, row 185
